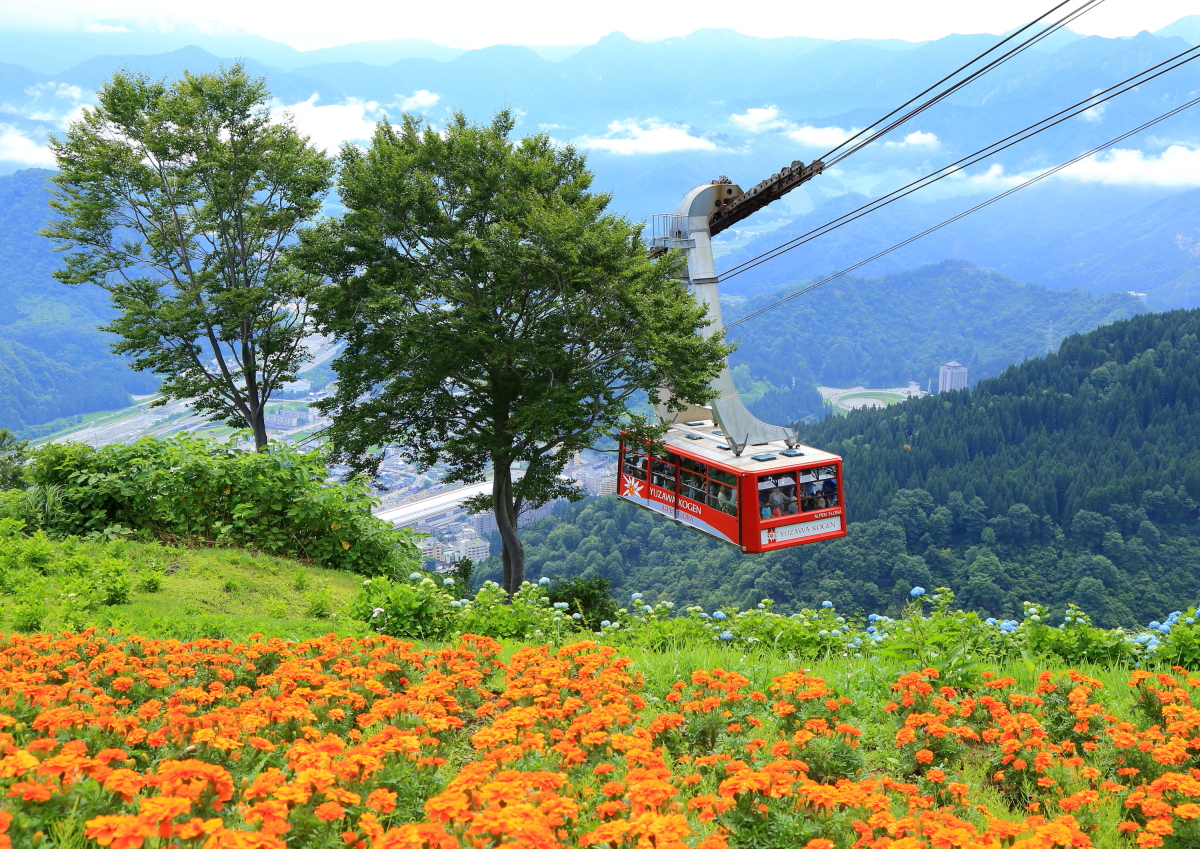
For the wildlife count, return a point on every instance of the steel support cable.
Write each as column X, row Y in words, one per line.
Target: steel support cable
column 962, row 83
column 965, row 213
column 1052, row 28
column 1075, row 109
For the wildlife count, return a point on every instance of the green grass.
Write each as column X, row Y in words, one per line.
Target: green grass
column 204, row 592
column 884, row 397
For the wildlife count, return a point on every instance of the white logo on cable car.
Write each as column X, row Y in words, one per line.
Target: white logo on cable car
column 631, row 486
column 800, row 530
column 669, row 497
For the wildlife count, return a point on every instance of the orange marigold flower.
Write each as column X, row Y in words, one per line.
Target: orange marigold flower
column 381, row 800
column 125, row 782
column 924, row 756
column 31, row 791
column 119, row 832
column 329, row 811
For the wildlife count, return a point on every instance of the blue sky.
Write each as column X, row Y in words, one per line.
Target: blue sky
column 308, row 24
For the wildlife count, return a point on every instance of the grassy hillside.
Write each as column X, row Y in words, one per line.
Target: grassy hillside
column 1070, row 478
column 167, row 591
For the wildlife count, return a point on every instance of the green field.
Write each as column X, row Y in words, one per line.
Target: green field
column 182, row 592
column 886, row 398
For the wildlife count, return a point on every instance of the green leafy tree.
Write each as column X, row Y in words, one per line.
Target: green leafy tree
column 494, row 313
column 179, row 199
column 13, row 453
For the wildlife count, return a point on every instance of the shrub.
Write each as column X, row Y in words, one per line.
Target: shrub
column 186, row 488
column 415, row 609
column 589, row 597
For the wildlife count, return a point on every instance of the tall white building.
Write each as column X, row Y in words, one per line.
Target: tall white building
column 474, row 548
column 951, row 376
column 482, row 523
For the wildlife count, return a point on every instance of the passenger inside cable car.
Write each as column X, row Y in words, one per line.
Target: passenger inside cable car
column 819, row 488
column 777, row 495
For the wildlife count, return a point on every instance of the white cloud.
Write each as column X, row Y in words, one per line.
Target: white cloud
column 628, row 137
column 821, row 136
column 761, row 118
column 330, row 125
column 333, row 124
column 915, row 139
column 419, row 101
column 1096, row 113
column 994, row 178
column 1176, row 167
column 94, row 26
column 15, row 146
column 52, row 103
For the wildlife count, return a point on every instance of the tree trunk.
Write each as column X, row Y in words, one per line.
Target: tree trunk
column 259, row 426
column 513, row 553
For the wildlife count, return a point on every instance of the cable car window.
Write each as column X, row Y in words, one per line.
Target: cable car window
column 723, row 498
column 820, row 491
column 693, row 486
column 662, row 474
column 726, row 478
column 693, row 465
column 635, row 465
column 777, row 496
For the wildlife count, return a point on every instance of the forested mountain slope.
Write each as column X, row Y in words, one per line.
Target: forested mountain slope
column 1073, row 477
column 53, row 360
column 885, row 331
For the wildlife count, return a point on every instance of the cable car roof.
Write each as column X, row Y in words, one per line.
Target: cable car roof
column 704, row 442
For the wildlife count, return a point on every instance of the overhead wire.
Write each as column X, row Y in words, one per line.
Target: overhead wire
column 1075, row 109
column 830, row 159
column 965, row 213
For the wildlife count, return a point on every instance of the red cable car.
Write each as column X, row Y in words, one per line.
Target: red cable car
column 779, row 497
column 786, row 494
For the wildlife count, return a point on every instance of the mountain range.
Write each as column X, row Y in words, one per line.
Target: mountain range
column 659, row 117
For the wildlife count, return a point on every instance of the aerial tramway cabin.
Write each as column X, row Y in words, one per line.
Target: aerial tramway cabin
column 770, row 496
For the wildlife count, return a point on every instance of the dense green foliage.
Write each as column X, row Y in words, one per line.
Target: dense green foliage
column 886, row 331
column 495, row 312
column 925, row 631
column 13, row 454
column 1072, row 478
column 186, row 488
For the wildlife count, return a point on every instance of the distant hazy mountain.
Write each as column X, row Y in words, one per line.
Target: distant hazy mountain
column 1186, row 28
column 54, row 52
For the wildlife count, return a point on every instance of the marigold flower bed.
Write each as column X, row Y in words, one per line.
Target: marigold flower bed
column 376, row 743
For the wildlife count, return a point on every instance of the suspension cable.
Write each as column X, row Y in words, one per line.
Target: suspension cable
column 1021, row 135
column 830, row 159
column 964, row 214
